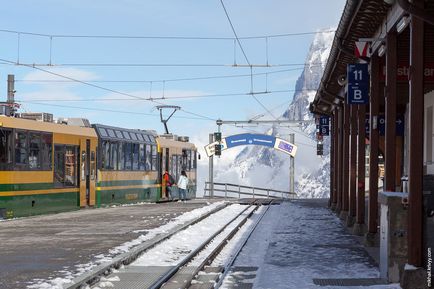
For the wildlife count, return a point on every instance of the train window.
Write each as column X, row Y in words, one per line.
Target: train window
column 128, row 155
column 21, row 156
column 194, row 159
column 148, row 158
column 139, row 137
column 121, row 164
column 189, row 160
column 103, row 132
column 71, row 166
column 34, row 151
column 65, row 166
column 133, row 136
column 111, row 132
column 180, row 165
column 146, row 138
column 154, row 158
column 184, row 158
column 119, row 134
column 47, row 150
column 135, row 156
column 142, row 160
column 6, row 141
column 105, row 155
column 173, row 167
column 59, row 165
column 113, row 156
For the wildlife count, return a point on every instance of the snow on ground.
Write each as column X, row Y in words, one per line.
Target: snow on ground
column 295, row 243
column 67, row 276
column 172, row 250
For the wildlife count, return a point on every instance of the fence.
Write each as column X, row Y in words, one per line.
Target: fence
column 236, row 191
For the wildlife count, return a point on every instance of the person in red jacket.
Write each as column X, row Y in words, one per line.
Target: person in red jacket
column 168, row 182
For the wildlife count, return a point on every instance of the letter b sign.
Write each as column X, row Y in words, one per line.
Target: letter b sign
column 357, row 94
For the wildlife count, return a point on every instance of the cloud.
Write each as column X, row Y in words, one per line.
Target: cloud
column 74, row 73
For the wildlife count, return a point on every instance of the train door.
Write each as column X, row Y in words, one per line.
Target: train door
column 87, row 173
column 164, row 161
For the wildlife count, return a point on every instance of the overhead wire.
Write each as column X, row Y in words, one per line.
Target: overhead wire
column 172, row 98
column 158, row 65
column 108, row 110
column 162, row 37
column 246, row 58
column 105, row 88
column 166, row 80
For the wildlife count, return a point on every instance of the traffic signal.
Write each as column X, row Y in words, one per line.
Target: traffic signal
column 319, row 149
column 217, row 136
column 218, row 150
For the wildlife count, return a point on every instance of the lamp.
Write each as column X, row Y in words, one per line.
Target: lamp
column 402, row 24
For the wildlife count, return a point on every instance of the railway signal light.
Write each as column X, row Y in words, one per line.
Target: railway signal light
column 218, row 136
column 319, row 149
column 218, row 149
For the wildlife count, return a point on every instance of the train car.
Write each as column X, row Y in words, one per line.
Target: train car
column 45, row 167
column 128, row 167
column 177, row 154
column 48, row 167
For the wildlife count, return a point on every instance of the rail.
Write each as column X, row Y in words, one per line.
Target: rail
column 236, row 191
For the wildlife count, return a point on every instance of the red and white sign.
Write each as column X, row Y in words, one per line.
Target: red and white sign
column 362, row 49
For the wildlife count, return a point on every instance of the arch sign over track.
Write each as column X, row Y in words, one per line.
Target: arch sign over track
column 253, row 139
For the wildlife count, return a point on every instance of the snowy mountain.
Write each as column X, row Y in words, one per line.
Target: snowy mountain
column 263, row 167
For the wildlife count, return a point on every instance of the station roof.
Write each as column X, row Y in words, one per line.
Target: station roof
column 360, row 19
column 368, row 19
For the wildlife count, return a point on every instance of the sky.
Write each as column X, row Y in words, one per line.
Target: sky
column 113, row 62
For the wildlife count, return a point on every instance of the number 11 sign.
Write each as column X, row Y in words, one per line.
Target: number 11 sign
column 358, row 83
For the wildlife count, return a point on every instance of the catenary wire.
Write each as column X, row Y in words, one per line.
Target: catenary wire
column 163, row 37
column 171, row 98
column 166, row 80
column 105, row 88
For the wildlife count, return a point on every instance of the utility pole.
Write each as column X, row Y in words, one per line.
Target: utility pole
column 211, row 169
column 9, row 108
column 291, row 166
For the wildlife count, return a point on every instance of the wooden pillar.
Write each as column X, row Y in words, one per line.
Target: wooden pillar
column 334, row 158
column 345, row 161
column 416, row 107
column 361, row 165
column 373, row 146
column 390, row 117
column 339, row 159
column 352, row 164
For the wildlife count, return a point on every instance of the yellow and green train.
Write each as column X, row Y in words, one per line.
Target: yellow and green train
column 48, row 167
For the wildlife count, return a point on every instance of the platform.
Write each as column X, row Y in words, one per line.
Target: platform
column 39, row 247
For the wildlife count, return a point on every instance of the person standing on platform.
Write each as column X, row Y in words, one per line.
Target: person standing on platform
column 182, row 186
column 168, row 182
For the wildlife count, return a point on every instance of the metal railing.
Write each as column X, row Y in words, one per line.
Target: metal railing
column 236, row 191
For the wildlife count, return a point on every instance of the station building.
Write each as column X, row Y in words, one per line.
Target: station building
column 394, row 113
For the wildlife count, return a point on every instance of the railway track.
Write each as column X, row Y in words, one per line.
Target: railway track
column 179, row 260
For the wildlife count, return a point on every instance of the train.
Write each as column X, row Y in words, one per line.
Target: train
column 51, row 167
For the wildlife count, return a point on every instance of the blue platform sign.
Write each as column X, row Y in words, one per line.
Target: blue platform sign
column 358, row 83
column 250, row 139
column 324, row 125
column 382, row 125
